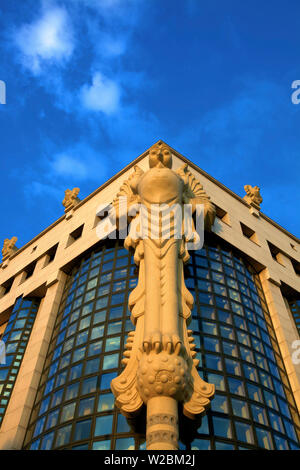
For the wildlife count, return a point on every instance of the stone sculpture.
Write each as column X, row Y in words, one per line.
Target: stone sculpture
column 70, row 200
column 9, row 247
column 160, row 358
column 253, row 195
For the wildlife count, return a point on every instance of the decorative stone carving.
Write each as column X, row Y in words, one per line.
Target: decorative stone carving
column 9, row 247
column 253, row 196
column 71, row 199
column 160, row 358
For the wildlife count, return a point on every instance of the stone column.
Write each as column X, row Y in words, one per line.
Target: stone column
column 285, row 329
column 19, row 408
column 162, row 424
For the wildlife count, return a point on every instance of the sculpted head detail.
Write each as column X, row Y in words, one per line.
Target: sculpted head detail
column 160, row 156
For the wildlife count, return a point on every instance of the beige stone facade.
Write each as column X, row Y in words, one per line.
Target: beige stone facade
column 41, row 267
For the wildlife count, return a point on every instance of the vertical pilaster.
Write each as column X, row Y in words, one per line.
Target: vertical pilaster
column 285, row 330
column 17, row 415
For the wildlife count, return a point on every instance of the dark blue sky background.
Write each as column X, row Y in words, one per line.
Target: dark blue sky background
column 91, row 84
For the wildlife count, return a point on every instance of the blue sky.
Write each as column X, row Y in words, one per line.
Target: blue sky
column 91, row 84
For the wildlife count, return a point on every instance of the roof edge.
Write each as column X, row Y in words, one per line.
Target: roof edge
column 130, row 165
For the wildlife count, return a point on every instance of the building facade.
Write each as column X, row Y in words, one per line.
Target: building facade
column 64, row 323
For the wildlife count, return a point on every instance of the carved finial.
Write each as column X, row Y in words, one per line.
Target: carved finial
column 71, row 199
column 253, row 196
column 9, row 247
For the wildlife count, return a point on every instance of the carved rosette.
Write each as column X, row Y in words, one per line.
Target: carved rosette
column 160, row 354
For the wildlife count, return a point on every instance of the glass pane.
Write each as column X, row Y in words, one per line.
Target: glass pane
column 101, row 445
column 222, row 427
column 82, row 430
column 239, row 408
column 103, row 425
column 259, row 414
column 125, row 444
column 219, row 403
column 63, row 435
column 106, row 402
column 264, row 438
column 86, row 406
column 68, row 412
column 244, row 432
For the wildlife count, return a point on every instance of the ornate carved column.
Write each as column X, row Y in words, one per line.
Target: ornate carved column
column 160, row 358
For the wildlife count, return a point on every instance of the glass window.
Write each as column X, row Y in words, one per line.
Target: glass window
column 254, row 392
column 229, row 349
column 82, row 430
column 44, row 405
column 276, row 422
column 211, row 344
column 86, row 406
column 52, row 419
column 222, row 427
column 95, row 348
column 75, row 372
column 224, row 446
column 78, row 354
column 72, row 391
column 250, row 373
column 47, row 441
column 57, row 398
column 203, row 428
column 218, row 380
column 39, row 426
column 224, row 317
column 112, row 344
column 89, row 385
column 68, row 412
column 110, row 362
column 106, row 379
column 92, row 366
column 236, row 386
column 226, row 332
column 232, row 367
column 103, row 425
column 97, row 332
column 63, row 435
column 114, row 328
column 264, row 438
column 101, row 445
column 259, row 414
column 270, row 400
column 106, row 402
column 200, row 444
column 219, row 403
column 125, row 444
column 213, row 362
column 244, row 432
column 240, row 408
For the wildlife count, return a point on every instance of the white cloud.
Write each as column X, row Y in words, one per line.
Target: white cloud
column 48, row 40
column 77, row 163
column 110, row 46
column 103, row 95
column 67, row 165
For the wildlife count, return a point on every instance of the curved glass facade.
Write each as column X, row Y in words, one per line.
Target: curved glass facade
column 253, row 406
column 15, row 339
